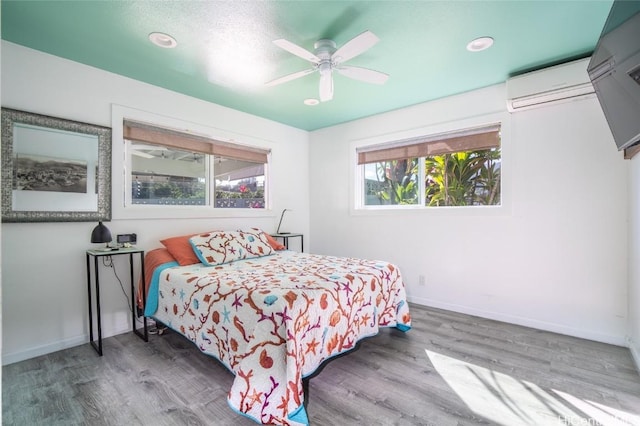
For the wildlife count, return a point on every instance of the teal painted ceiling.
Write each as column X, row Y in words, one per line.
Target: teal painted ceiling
column 226, row 53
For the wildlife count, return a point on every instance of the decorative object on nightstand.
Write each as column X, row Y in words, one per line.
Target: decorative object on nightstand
column 126, row 240
column 285, row 239
column 101, row 253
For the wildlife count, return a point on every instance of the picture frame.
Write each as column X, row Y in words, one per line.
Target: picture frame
column 54, row 170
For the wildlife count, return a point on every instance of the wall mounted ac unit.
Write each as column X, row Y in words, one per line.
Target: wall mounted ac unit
column 549, row 85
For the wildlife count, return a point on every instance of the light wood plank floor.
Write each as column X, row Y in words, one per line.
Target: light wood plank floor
column 450, row 369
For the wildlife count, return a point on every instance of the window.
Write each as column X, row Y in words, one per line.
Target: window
column 392, row 182
column 238, row 184
column 454, row 169
column 168, row 167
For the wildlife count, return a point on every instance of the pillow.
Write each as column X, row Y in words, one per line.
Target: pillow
column 218, row 247
column 274, row 243
column 181, row 249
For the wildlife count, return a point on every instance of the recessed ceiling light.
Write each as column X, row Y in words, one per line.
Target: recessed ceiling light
column 163, row 40
column 311, row 102
column 479, row 44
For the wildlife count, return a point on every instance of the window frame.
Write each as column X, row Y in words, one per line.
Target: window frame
column 357, row 206
column 123, row 208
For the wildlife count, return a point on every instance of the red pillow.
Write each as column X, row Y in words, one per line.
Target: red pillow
column 273, row 243
column 181, row 249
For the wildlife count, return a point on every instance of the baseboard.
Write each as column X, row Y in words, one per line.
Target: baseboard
column 13, row 357
column 10, row 358
column 527, row 322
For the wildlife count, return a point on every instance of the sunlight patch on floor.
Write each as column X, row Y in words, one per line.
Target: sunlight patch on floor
column 506, row 400
column 600, row 413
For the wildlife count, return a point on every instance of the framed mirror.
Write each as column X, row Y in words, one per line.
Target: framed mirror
column 54, row 170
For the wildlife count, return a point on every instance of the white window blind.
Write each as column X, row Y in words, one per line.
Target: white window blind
column 142, row 132
column 478, row 138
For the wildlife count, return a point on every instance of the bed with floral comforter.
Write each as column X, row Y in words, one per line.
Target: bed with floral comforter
column 273, row 319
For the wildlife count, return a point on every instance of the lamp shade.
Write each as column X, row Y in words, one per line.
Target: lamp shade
column 101, row 234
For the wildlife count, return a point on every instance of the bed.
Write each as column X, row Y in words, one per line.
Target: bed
column 272, row 317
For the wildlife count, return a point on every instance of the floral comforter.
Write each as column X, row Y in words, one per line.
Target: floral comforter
column 273, row 320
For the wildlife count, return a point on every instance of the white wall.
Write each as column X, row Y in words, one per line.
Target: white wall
column 634, row 259
column 44, row 293
column 554, row 256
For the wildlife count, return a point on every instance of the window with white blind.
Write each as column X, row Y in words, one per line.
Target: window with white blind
column 460, row 168
column 169, row 167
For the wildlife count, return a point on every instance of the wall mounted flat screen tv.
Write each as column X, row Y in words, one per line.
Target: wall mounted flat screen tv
column 614, row 71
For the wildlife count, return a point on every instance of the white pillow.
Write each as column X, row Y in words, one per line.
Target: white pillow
column 218, row 247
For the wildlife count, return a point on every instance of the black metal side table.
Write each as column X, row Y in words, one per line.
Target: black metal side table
column 285, row 239
column 96, row 254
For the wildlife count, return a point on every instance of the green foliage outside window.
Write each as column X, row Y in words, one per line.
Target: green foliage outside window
column 470, row 178
column 397, row 182
column 181, row 190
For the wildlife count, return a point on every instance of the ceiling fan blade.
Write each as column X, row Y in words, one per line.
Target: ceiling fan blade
column 355, row 46
column 289, row 77
column 145, row 147
column 363, row 74
column 326, row 86
column 141, row 154
column 296, row 50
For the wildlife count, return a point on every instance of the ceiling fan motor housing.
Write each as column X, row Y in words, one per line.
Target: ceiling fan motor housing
column 324, row 47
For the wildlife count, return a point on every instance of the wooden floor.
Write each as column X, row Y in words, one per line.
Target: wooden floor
column 450, row 369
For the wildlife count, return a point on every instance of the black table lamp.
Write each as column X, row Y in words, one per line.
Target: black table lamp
column 101, row 234
column 280, row 224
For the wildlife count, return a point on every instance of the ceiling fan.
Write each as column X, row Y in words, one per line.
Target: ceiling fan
column 326, row 59
column 139, row 150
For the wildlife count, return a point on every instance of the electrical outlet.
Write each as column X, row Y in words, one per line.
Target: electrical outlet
column 421, row 280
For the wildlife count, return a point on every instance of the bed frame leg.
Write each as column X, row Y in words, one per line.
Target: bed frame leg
column 305, row 390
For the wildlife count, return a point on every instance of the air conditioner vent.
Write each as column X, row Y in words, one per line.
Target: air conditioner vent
column 549, row 86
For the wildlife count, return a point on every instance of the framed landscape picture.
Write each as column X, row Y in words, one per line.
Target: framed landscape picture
column 54, row 170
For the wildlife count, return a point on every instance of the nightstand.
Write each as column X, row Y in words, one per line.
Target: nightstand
column 97, row 254
column 285, row 239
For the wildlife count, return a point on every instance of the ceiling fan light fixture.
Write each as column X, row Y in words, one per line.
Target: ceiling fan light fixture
column 325, row 67
column 479, row 44
column 163, row 40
